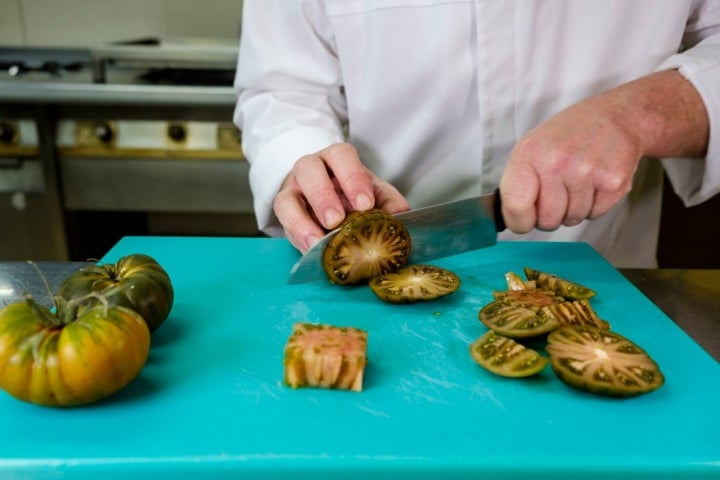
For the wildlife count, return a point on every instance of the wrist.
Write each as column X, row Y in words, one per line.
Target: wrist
column 666, row 114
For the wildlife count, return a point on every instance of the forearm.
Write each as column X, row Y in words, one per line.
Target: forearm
column 665, row 113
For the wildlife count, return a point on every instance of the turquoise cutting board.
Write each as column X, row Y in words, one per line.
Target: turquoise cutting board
column 210, row 402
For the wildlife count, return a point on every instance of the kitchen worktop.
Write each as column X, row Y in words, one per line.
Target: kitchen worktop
column 90, row 93
column 210, row 403
column 115, row 94
column 690, row 297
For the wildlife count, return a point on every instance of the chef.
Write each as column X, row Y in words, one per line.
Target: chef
column 572, row 108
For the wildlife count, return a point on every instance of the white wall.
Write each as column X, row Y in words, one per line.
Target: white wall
column 10, row 24
column 79, row 23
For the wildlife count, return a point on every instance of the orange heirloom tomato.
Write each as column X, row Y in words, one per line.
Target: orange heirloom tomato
column 67, row 360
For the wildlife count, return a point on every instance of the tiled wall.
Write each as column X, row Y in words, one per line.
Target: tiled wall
column 88, row 22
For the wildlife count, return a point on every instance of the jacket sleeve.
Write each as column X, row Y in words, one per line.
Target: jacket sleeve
column 696, row 180
column 289, row 89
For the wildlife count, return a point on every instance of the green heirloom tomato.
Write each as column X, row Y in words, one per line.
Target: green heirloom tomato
column 136, row 281
column 67, row 360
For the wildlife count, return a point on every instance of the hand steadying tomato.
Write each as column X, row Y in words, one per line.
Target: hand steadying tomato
column 136, row 281
column 72, row 357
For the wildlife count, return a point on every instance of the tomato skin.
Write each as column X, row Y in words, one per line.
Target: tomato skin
column 45, row 362
column 136, row 281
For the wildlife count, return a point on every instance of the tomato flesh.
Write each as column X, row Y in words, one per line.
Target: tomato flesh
column 601, row 361
column 368, row 244
column 413, row 283
column 515, row 321
column 325, row 356
column 560, row 286
column 506, row 357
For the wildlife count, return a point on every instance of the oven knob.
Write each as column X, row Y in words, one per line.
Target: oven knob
column 104, row 132
column 176, row 132
column 7, row 133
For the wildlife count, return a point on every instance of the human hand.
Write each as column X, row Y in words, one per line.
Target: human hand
column 323, row 187
column 576, row 165
column 579, row 163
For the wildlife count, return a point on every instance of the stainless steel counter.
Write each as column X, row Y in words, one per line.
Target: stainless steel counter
column 691, row 298
column 104, row 94
column 20, row 278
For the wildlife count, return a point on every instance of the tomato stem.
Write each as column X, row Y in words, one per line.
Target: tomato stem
column 45, row 282
column 48, row 317
column 102, row 299
column 68, row 309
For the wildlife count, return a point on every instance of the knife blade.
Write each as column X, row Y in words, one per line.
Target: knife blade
column 436, row 231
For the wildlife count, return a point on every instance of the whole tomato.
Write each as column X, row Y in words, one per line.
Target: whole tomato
column 67, row 360
column 136, row 281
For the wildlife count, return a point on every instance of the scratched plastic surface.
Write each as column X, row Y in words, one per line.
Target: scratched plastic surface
column 210, row 403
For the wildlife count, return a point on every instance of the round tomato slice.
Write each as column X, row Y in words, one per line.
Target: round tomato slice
column 601, row 361
column 506, row 357
column 413, row 283
column 516, row 321
column 368, row 244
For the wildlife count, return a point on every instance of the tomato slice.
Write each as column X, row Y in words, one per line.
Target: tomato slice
column 368, row 244
column 600, row 361
column 577, row 312
column 560, row 286
column 506, row 357
column 413, row 283
column 516, row 321
column 514, row 282
column 527, row 298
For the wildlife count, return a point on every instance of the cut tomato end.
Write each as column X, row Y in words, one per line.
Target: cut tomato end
column 325, row 356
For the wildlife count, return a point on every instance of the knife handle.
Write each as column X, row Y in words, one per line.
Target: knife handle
column 497, row 212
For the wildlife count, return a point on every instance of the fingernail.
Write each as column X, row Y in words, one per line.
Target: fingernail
column 363, row 202
column 332, row 218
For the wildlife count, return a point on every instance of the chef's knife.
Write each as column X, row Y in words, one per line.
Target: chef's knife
column 437, row 231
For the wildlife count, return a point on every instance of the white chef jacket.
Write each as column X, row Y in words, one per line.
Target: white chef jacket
column 434, row 93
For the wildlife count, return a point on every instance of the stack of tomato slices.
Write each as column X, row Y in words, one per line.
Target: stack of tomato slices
column 583, row 351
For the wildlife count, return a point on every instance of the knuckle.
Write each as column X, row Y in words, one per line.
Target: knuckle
column 548, row 158
column 339, row 152
column 342, row 149
column 361, row 179
column 529, row 146
column 305, row 164
column 614, row 183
